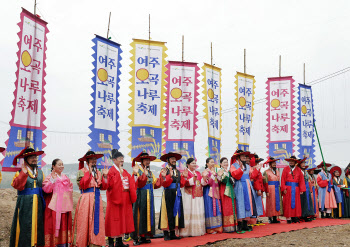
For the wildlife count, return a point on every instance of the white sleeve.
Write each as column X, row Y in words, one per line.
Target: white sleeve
column 203, row 182
column 191, row 181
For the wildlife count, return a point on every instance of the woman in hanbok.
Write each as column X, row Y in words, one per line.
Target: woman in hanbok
column 338, row 192
column 89, row 224
column 346, row 188
column 227, row 196
column 314, row 190
column 58, row 213
column 193, row 203
column 325, row 191
column 212, row 201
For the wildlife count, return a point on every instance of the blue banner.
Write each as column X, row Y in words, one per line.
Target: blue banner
column 306, row 146
column 106, row 79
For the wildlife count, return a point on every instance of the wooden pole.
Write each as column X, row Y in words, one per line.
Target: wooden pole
column 211, row 53
column 109, row 22
column 149, row 26
column 244, row 62
column 34, row 7
column 280, row 67
column 183, row 48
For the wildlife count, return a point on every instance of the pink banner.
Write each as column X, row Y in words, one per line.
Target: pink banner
column 27, row 122
column 181, row 109
column 280, row 118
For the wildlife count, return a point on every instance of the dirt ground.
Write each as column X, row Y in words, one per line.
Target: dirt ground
column 321, row 236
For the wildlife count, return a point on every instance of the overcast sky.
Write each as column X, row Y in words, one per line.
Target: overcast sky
column 311, row 32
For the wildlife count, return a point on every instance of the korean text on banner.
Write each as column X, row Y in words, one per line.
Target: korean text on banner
column 306, row 146
column 181, row 110
column 106, row 79
column 280, row 118
column 27, row 122
column 245, row 89
column 212, row 109
column 147, row 97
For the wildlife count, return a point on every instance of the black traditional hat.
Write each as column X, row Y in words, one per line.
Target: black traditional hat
column 165, row 157
column 143, row 155
column 88, row 155
column 26, row 152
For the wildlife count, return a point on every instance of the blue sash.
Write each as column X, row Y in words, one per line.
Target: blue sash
column 293, row 185
column 177, row 203
column 245, row 191
column 277, row 194
column 330, row 186
column 33, row 191
column 307, row 193
column 150, row 187
column 314, row 193
column 97, row 207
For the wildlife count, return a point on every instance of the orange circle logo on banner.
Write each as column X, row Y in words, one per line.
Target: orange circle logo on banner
column 102, row 74
column 242, row 101
column 275, row 103
column 176, row 93
column 211, row 93
column 26, row 58
column 304, row 109
column 142, row 74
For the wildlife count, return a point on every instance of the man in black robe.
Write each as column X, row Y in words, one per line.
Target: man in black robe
column 171, row 212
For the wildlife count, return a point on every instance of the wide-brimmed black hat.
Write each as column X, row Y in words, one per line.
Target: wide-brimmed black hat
column 257, row 158
column 238, row 153
column 88, row 155
column 292, row 158
column 143, row 155
column 165, row 157
column 26, row 152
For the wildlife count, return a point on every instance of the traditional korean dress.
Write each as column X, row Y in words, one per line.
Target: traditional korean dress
column 89, row 225
column 28, row 220
column 257, row 182
column 193, row 203
column 244, row 191
column 58, row 213
column 272, row 186
column 143, row 208
column 121, row 194
column 325, row 191
column 293, row 181
column 171, row 211
column 227, row 196
column 307, row 208
column 212, row 204
column 339, row 197
column 314, row 194
column 346, row 182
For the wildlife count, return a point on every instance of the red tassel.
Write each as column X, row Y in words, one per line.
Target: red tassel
column 81, row 165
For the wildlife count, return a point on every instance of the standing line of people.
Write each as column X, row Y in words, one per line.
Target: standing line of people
column 228, row 199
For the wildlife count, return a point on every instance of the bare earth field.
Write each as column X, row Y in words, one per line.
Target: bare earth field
column 321, row 236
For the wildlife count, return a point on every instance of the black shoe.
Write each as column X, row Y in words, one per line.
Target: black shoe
column 271, row 220
column 289, row 221
column 245, row 226
column 322, row 215
column 166, row 236
column 275, row 219
column 328, row 215
column 239, row 226
column 144, row 240
column 110, row 242
column 120, row 243
column 173, row 236
column 136, row 243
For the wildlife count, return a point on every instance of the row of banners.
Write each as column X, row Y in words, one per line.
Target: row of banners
column 164, row 98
